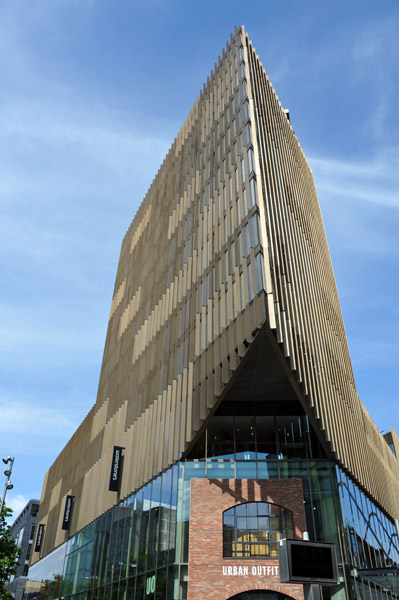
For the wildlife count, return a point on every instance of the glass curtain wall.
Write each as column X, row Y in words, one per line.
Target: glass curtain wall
column 371, row 544
column 139, row 549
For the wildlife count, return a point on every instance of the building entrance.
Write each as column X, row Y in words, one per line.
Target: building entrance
column 260, row 595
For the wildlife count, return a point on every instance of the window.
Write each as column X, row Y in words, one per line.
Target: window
column 252, row 191
column 242, row 171
column 259, row 272
column 244, row 90
column 28, row 551
column 20, row 536
column 250, row 155
column 253, row 529
column 250, row 290
column 238, row 211
column 253, row 231
column 247, row 134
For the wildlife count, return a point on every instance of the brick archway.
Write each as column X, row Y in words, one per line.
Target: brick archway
column 216, row 578
column 257, row 595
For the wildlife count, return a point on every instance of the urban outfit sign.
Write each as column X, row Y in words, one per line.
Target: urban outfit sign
column 256, row 570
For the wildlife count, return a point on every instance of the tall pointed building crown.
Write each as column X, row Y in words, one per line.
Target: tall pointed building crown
column 224, row 291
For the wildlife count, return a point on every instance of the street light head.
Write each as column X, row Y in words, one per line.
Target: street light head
column 9, row 486
column 7, row 473
column 7, row 460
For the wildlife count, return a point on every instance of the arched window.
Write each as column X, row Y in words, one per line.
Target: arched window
column 252, row 530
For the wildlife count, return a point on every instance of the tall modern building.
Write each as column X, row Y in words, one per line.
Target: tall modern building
column 227, row 415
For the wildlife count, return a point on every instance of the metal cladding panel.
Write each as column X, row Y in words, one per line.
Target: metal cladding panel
column 309, row 322
column 228, row 239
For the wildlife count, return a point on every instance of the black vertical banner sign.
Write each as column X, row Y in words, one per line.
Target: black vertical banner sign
column 39, row 538
column 116, row 469
column 67, row 512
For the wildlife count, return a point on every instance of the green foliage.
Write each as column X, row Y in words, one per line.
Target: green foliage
column 9, row 553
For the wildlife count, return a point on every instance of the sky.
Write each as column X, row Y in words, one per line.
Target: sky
column 92, row 94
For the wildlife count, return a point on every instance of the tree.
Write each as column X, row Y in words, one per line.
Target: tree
column 9, row 553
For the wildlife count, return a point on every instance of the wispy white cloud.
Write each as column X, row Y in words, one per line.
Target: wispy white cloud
column 375, row 181
column 50, row 338
column 377, row 352
column 73, row 151
column 103, row 134
column 28, row 418
column 360, row 204
column 16, row 502
column 375, row 43
column 34, row 430
column 375, row 57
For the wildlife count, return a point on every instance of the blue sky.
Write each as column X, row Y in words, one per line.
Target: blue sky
column 92, row 95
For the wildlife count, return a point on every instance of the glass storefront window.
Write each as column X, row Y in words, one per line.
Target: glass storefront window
column 245, row 447
column 220, row 470
column 155, row 517
column 220, row 437
column 371, row 542
column 144, row 527
column 246, row 469
column 268, row 469
column 151, row 528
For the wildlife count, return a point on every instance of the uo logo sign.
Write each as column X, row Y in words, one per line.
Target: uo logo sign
column 150, row 587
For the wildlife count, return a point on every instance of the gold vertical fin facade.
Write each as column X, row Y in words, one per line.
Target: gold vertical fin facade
column 228, row 239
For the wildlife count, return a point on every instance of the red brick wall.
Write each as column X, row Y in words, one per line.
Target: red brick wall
column 212, row 577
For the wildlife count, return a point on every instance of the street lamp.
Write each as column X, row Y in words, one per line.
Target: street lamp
column 8, row 485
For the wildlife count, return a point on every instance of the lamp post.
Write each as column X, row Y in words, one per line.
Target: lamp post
column 8, row 485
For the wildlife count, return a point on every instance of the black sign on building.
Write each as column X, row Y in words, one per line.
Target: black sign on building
column 39, row 538
column 306, row 562
column 67, row 512
column 116, row 469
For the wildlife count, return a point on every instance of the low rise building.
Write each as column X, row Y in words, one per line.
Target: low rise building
column 23, row 529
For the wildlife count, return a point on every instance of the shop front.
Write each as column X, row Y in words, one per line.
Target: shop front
column 235, row 528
